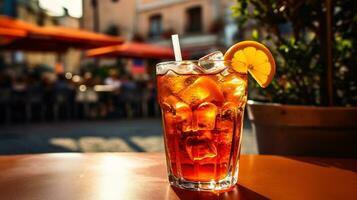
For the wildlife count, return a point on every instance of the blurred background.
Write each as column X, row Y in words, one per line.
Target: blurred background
column 79, row 75
column 54, row 98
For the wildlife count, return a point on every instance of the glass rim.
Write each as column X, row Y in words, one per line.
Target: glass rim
column 188, row 61
column 175, row 66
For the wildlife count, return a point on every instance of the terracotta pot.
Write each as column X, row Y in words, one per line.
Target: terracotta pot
column 304, row 130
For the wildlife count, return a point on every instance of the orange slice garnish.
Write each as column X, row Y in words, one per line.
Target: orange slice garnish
column 252, row 57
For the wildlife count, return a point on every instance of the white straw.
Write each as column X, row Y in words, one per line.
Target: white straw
column 177, row 49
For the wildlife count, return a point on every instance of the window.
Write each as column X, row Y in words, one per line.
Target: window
column 194, row 20
column 155, row 26
column 8, row 7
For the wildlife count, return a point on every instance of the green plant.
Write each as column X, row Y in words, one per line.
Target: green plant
column 295, row 31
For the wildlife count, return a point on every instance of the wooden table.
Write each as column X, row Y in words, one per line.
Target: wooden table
column 134, row 176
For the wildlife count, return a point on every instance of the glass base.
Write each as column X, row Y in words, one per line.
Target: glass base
column 221, row 185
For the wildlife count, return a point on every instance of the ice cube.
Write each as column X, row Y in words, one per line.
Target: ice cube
column 199, row 147
column 167, row 108
column 212, row 63
column 225, row 123
column 169, row 119
column 186, row 67
column 161, row 69
column 234, row 88
column 181, row 112
column 225, row 72
column 228, row 111
column 205, row 116
column 183, row 115
column 175, row 82
column 204, row 89
column 216, row 55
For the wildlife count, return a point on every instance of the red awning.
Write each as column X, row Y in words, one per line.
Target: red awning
column 133, row 50
column 53, row 38
column 8, row 35
column 12, row 33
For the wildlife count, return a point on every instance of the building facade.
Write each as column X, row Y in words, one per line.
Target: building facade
column 116, row 17
column 203, row 25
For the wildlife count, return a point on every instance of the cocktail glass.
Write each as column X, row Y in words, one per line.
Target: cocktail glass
column 202, row 104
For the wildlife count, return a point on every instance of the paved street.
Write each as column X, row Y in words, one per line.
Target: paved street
column 142, row 135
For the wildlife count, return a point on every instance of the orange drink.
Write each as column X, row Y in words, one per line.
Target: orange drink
column 202, row 104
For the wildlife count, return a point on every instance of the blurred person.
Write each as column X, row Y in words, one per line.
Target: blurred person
column 152, row 103
column 141, row 99
column 113, row 99
column 18, row 98
column 19, row 84
column 87, row 97
column 113, row 80
column 89, row 80
column 63, row 97
column 127, row 95
column 61, row 83
column 34, row 98
column 47, row 84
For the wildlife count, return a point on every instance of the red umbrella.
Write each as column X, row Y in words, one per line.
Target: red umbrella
column 8, row 35
column 55, row 38
column 12, row 33
column 133, row 50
